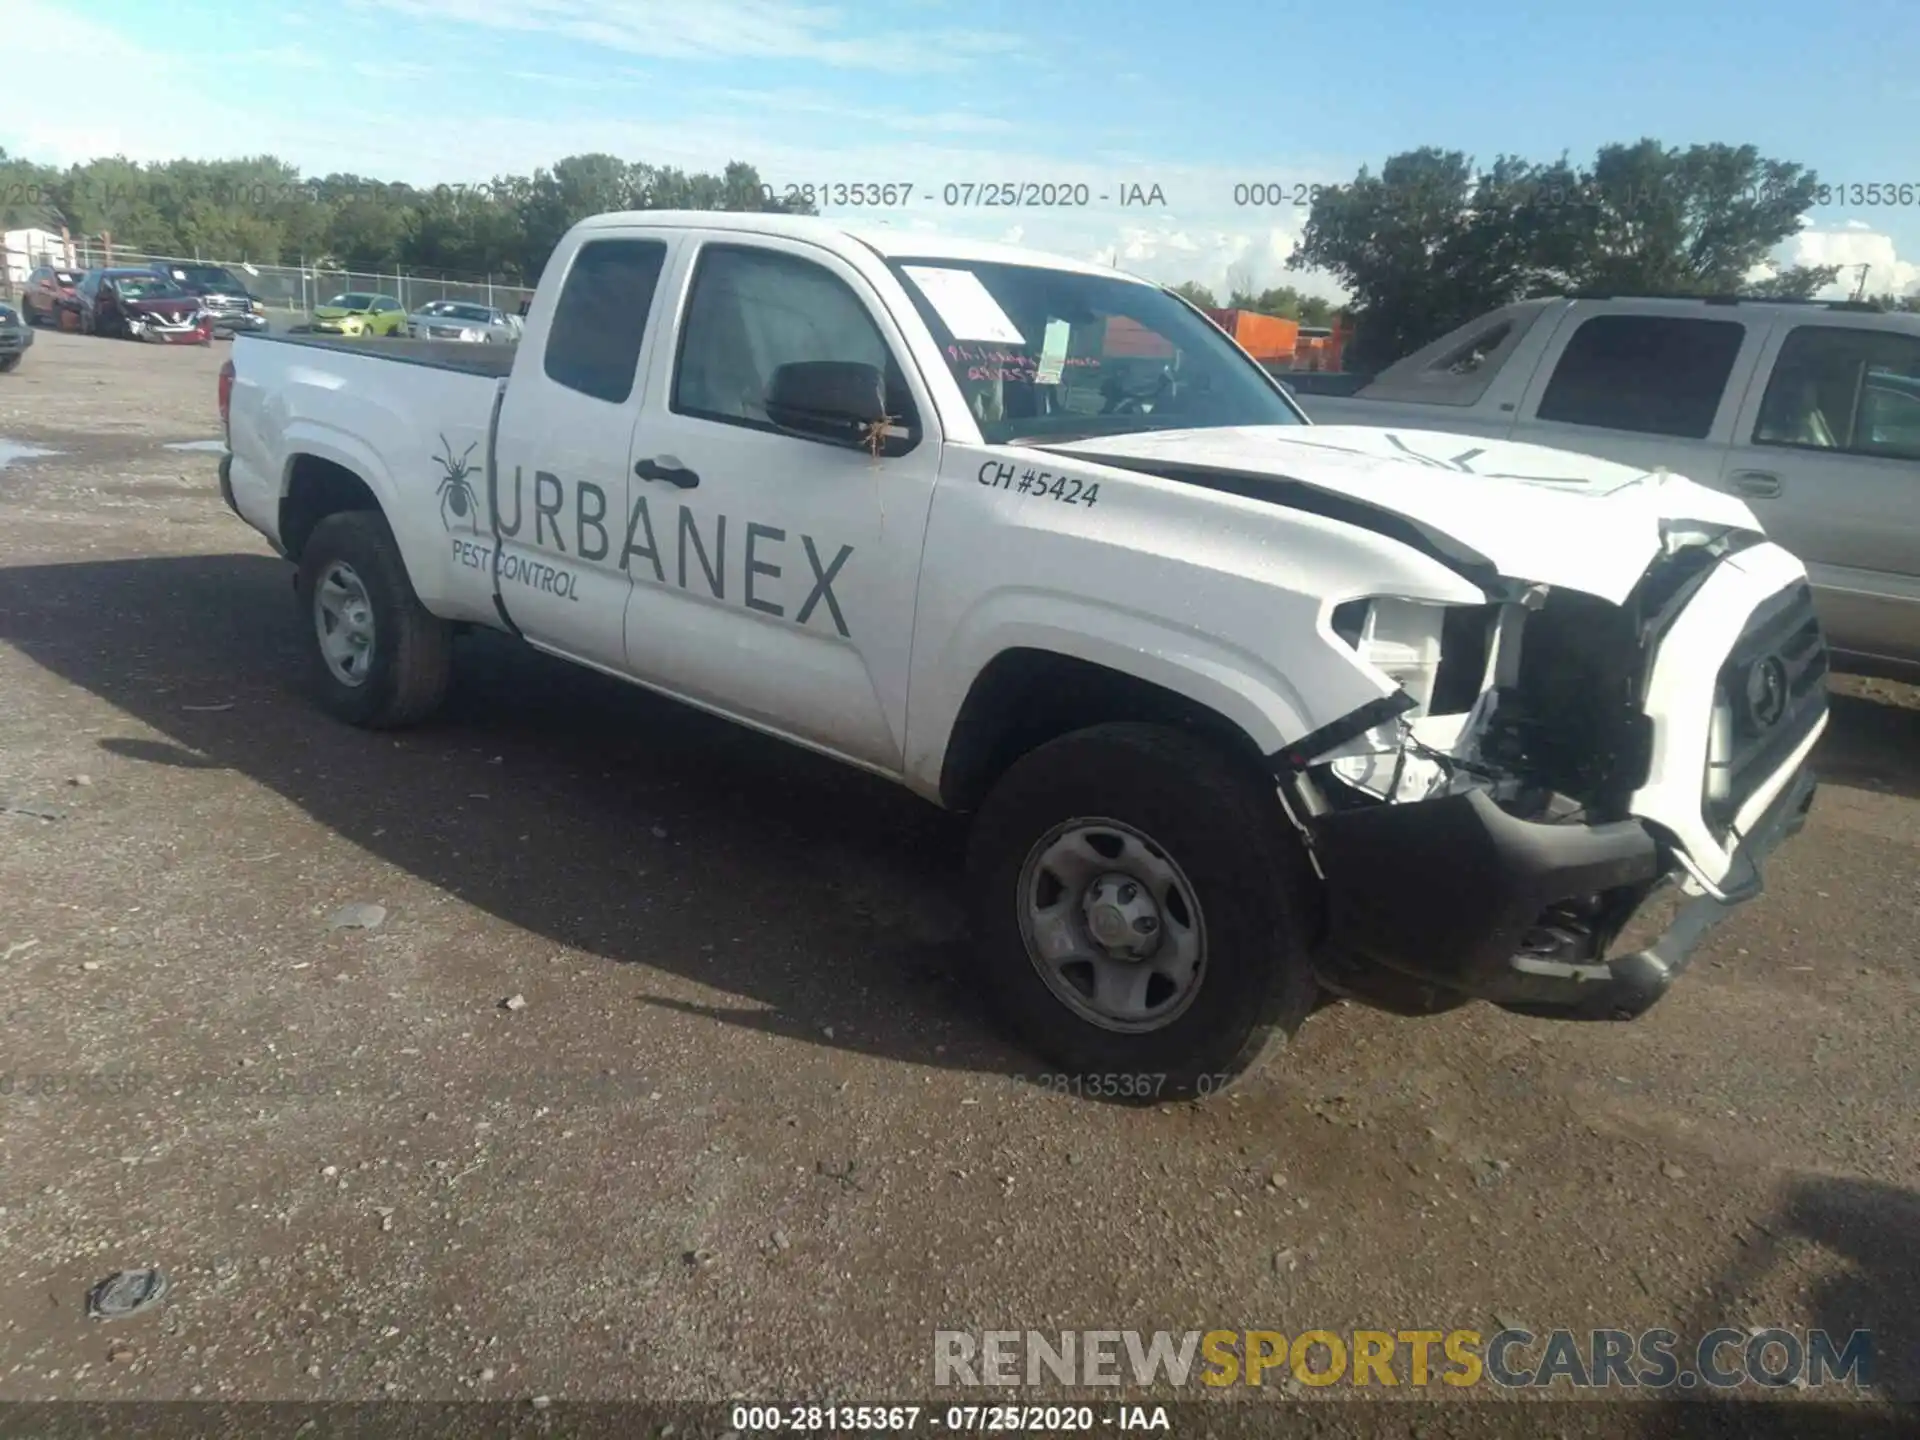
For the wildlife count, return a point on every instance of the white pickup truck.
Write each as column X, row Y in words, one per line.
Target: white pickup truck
column 1809, row 411
column 1247, row 712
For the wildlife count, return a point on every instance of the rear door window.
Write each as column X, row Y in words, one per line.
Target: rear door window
column 1650, row 374
column 1840, row 388
column 600, row 319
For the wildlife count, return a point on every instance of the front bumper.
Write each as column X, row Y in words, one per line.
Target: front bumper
column 14, row 339
column 232, row 322
column 160, row 333
column 1437, row 903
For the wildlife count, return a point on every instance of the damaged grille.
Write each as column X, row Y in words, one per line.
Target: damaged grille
column 1769, row 695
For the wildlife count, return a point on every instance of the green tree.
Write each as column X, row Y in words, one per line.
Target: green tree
column 1198, row 294
column 27, row 195
column 1432, row 240
column 1286, row 302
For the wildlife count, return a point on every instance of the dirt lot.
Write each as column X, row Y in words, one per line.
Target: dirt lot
column 749, row 1133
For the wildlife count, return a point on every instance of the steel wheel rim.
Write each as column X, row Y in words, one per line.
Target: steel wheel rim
column 343, row 621
column 1084, row 934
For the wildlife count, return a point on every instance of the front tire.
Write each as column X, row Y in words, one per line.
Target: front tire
column 376, row 657
column 1141, row 912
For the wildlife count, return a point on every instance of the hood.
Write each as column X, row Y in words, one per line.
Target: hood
column 336, row 312
column 1527, row 511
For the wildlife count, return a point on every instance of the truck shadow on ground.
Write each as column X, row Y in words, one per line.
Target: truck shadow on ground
column 1860, row 1240
column 586, row 811
column 613, row 820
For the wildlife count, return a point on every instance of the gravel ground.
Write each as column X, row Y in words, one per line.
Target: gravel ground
column 743, row 1129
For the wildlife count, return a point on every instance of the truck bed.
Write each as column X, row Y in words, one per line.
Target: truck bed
column 494, row 362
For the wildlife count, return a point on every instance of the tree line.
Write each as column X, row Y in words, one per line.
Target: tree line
column 262, row 210
column 1428, row 243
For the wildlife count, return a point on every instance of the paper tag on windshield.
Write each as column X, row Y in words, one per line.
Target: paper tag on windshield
column 1053, row 353
column 963, row 303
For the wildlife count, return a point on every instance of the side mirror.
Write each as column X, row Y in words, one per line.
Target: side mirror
column 838, row 401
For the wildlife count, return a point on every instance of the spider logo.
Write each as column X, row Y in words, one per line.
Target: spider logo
column 873, row 434
column 457, row 500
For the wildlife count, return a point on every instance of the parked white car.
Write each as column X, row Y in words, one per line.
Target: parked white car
column 463, row 320
column 1247, row 711
column 1809, row 412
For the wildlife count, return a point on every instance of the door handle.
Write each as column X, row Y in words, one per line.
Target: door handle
column 1756, row 482
column 668, row 469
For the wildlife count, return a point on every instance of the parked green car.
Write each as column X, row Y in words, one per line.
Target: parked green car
column 360, row 313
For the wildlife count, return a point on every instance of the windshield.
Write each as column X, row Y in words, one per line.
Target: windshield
column 354, row 301
column 145, row 287
column 209, row 277
column 1054, row 355
column 66, row 277
column 454, row 310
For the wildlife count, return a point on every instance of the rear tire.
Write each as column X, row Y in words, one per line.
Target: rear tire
column 353, row 585
column 1185, row 841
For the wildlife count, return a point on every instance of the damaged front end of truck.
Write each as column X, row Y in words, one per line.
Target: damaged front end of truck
column 1549, row 763
column 1624, row 712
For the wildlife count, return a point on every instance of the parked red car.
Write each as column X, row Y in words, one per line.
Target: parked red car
column 140, row 305
column 48, row 291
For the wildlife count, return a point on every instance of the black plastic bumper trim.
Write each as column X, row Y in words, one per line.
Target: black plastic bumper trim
column 1443, row 892
column 1636, row 981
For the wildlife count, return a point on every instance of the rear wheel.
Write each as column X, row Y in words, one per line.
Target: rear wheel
column 377, row 657
column 1140, row 912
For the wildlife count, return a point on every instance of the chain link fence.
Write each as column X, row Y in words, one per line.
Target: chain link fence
column 292, row 291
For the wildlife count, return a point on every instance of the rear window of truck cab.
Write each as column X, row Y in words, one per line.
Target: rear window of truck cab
column 600, row 319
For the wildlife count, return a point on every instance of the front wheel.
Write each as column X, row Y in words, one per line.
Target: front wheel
column 9, row 362
column 1141, row 912
column 377, row 657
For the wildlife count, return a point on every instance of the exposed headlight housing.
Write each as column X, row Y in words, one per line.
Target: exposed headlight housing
column 1399, row 638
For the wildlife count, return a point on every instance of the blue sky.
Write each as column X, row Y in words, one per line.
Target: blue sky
column 1102, row 92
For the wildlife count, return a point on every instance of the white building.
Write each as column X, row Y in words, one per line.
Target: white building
column 26, row 250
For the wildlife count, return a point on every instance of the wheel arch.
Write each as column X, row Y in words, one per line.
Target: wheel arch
column 316, row 487
column 1026, row 696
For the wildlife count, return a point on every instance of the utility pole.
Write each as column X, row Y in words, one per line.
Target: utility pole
column 1860, row 290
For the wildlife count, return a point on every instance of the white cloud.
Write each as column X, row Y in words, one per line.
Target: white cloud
column 800, row 102
column 716, row 29
column 1851, row 245
column 389, row 71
